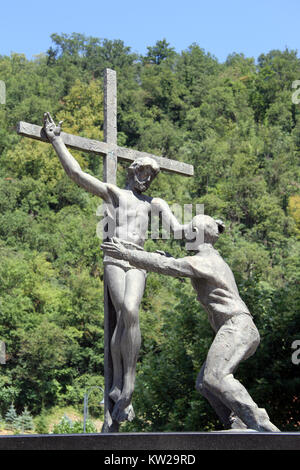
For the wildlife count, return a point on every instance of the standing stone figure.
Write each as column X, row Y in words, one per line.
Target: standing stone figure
column 236, row 334
column 129, row 209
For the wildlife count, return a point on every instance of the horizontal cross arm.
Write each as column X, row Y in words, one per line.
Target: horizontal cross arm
column 174, row 166
column 73, row 141
column 102, row 148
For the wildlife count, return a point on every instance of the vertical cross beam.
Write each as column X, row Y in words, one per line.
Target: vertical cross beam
column 109, row 176
column 110, row 125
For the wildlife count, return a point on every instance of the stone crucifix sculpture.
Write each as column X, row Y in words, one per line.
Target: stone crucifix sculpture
column 123, row 284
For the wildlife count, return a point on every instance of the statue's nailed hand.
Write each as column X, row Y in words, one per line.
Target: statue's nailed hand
column 51, row 130
column 114, row 248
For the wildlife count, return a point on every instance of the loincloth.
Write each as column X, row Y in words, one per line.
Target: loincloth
column 120, row 263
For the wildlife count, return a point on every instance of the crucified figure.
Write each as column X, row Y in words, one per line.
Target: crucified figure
column 236, row 334
column 126, row 283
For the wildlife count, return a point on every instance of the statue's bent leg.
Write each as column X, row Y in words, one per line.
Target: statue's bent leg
column 116, row 284
column 235, row 341
column 131, row 339
column 226, row 416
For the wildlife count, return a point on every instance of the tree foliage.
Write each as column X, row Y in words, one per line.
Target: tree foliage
column 236, row 123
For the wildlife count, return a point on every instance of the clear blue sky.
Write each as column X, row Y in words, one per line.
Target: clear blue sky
column 219, row 26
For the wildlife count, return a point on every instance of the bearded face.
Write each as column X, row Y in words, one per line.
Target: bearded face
column 142, row 178
column 141, row 173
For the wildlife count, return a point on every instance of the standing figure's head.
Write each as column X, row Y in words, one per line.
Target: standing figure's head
column 141, row 173
column 205, row 229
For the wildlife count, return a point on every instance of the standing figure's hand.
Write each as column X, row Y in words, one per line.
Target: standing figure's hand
column 114, row 248
column 51, row 130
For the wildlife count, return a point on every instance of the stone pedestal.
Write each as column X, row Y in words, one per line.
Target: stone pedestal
column 193, row 441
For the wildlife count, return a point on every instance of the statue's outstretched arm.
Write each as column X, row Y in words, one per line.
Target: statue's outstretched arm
column 149, row 261
column 70, row 165
column 169, row 221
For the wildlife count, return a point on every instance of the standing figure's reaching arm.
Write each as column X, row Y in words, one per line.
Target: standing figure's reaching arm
column 149, row 261
column 70, row 165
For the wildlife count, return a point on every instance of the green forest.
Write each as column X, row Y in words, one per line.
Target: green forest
column 237, row 124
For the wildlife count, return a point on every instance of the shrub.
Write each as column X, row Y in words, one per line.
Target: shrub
column 67, row 426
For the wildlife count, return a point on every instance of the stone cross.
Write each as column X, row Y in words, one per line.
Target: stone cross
column 111, row 153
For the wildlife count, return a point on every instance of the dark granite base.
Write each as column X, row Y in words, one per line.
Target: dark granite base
column 154, row 441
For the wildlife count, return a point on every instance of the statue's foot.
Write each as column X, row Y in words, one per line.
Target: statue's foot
column 115, row 394
column 123, row 411
column 126, row 415
column 267, row 426
column 263, row 422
